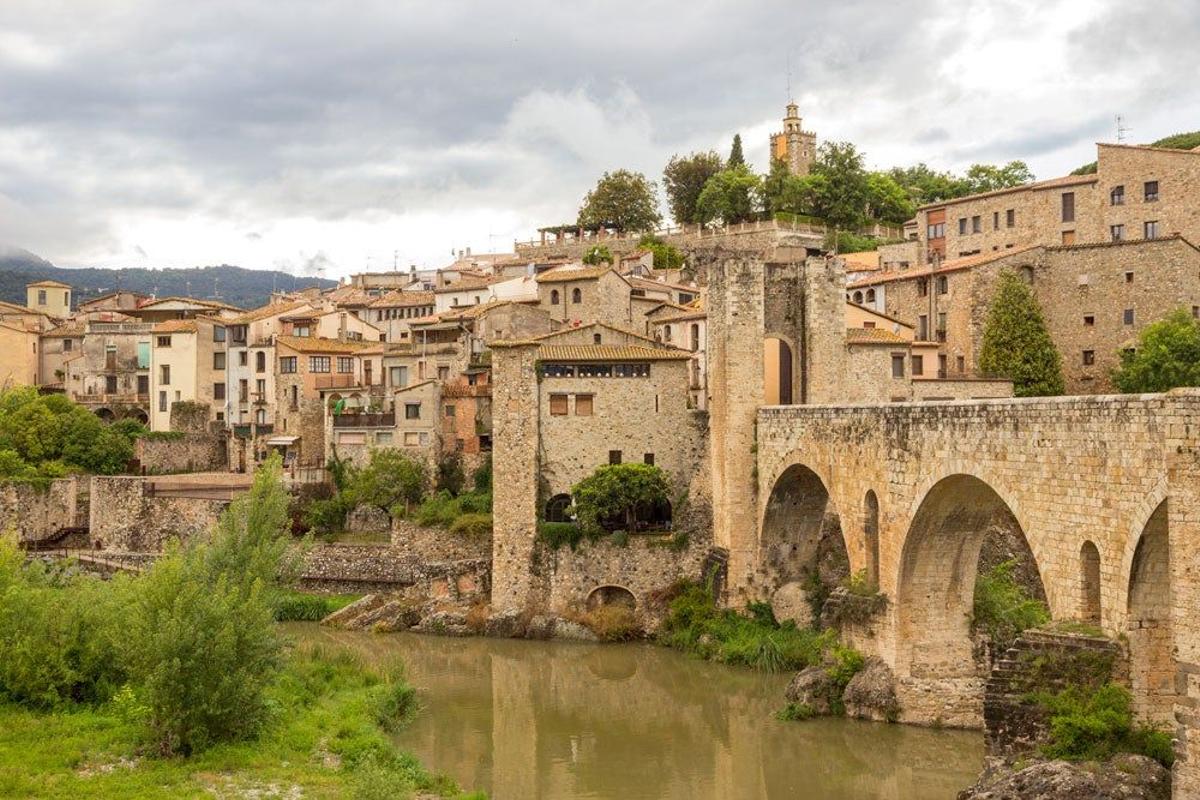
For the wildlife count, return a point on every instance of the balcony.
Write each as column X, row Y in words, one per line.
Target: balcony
column 364, row 421
column 338, row 381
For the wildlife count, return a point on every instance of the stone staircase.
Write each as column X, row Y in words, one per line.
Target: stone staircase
column 1042, row 660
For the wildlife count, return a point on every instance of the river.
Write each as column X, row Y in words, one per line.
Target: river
column 524, row 720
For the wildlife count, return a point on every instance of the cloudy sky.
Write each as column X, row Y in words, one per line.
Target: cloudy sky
column 291, row 134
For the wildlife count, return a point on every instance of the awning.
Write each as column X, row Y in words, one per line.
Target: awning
column 281, row 441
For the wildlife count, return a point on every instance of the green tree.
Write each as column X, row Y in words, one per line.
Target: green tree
column 450, row 474
column 622, row 200
column 926, row 185
column 1167, row 355
column 887, row 200
column 842, row 201
column 989, row 178
column 390, row 478
column 1016, row 343
column 775, row 186
column 729, row 197
column 666, row 256
column 684, row 179
column 596, row 255
column 613, row 494
column 736, row 158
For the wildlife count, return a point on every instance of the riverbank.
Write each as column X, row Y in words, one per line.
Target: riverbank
column 327, row 737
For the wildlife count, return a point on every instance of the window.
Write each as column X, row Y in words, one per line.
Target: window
column 260, row 361
column 923, row 327
column 918, row 365
column 868, row 325
column 287, row 364
column 67, row 345
column 1068, row 237
column 558, row 405
column 164, row 374
column 412, row 439
column 1089, row 357
column 383, row 437
column 162, row 401
column 243, row 357
column 576, row 296
column 1150, row 229
column 164, row 341
column 614, row 456
column 648, row 458
column 218, row 361
column 443, row 373
column 295, row 399
column 961, row 364
column 1117, row 232
column 1068, row 207
column 923, row 287
column 1127, row 317
column 1151, row 191
column 976, row 224
column 1117, row 196
column 399, row 377
column 345, row 364
column 218, row 391
column 319, row 363
column 943, row 284
column 110, row 357
column 941, row 365
column 595, row 338
column 962, row 226
column 243, row 390
column 1129, row 277
column 583, row 405
column 897, row 365
column 870, row 296
column 1195, row 312
column 218, row 333
column 41, row 297
column 937, row 231
column 995, row 220
column 143, row 355
column 554, row 297
column 1089, row 320
column 1010, row 218
column 941, row 326
column 110, row 384
column 449, row 410
column 302, row 331
column 412, row 410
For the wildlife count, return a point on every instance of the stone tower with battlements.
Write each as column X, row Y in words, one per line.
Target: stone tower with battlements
column 793, row 145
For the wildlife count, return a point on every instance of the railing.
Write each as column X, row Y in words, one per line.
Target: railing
column 364, row 420
column 338, row 381
column 113, row 397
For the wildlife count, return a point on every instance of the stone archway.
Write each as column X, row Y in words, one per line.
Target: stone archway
column 1151, row 670
column 935, row 596
column 610, row 595
column 1089, row 583
column 106, row 415
column 557, row 508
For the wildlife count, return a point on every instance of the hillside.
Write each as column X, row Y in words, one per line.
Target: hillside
column 245, row 288
column 1180, row 141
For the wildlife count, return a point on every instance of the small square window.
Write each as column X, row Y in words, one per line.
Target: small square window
column 1117, row 232
column 897, row 365
column 1129, row 277
column 918, row 365
column 1089, row 357
column 412, row 410
column 614, row 456
column 558, row 405
column 1128, row 316
column 1010, row 217
column 1151, row 191
column 583, row 405
column 1089, row 320
column 648, row 458
column 449, row 411
column 1150, row 229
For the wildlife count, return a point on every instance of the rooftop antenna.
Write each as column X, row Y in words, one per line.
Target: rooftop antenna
column 789, row 75
column 395, row 261
column 1121, row 129
column 189, row 288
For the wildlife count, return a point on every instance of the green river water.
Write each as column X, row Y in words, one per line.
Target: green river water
column 524, row 720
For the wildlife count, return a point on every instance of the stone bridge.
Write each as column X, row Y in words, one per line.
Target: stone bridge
column 1105, row 490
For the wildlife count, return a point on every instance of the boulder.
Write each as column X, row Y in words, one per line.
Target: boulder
column 573, row 631
column 812, row 687
column 444, row 623
column 790, row 602
column 540, row 626
column 505, row 625
column 345, row 617
column 1124, row 777
column 871, row 694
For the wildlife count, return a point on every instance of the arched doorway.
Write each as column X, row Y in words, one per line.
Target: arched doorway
column 801, row 546
column 1089, row 583
column 1151, row 672
column 936, row 584
column 777, row 372
column 871, row 536
column 105, row 414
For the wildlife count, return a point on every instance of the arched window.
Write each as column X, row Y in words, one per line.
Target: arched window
column 260, row 361
column 666, row 333
column 554, row 297
column 595, row 338
column 870, row 295
column 576, row 296
column 695, row 337
column 858, row 298
column 557, row 508
column 1089, row 568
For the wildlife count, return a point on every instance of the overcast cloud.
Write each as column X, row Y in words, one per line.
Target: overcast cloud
column 311, row 134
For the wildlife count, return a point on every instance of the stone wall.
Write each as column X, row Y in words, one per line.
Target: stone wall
column 125, row 517
column 36, row 513
column 413, row 541
column 193, row 452
column 368, row 568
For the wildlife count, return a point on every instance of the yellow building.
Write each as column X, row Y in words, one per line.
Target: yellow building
column 52, row 298
column 18, row 355
column 187, row 364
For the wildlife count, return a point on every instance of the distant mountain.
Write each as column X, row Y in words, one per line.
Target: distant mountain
column 244, row 288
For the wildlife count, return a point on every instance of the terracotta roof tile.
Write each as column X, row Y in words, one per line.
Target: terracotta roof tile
column 873, row 336
column 176, row 326
column 947, row 266
column 305, row 344
column 568, row 273
column 404, row 300
column 604, row 352
column 264, row 312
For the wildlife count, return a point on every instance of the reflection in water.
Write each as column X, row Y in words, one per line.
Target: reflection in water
column 524, row 720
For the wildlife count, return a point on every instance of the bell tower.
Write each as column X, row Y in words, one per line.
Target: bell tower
column 794, row 146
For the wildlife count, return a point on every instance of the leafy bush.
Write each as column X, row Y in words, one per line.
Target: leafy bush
column 666, row 256
column 596, row 255
column 1167, row 355
column 610, row 497
column 482, row 479
column 450, row 475
column 389, row 479
column 612, row 623
column 395, row 702
column 1095, row 725
column 442, row 509
column 472, row 525
column 795, row 712
column 556, row 534
column 1003, row 608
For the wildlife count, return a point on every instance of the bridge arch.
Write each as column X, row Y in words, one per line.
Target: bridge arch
column 935, row 586
column 1148, row 621
column 801, row 533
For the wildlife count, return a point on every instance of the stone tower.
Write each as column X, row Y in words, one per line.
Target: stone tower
column 794, row 146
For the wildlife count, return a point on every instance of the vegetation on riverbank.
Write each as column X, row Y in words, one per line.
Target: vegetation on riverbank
column 1003, row 608
column 293, row 606
column 1089, row 724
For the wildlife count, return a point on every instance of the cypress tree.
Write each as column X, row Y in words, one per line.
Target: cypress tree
column 1016, row 343
column 736, row 158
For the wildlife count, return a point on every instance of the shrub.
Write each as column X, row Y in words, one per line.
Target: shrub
column 613, row 623
column 472, row 525
column 395, row 702
column 1002, row 608
column 795, row 712
column 300, row 606
column 1095, row 725
column 443, row 509
column 450, row 475
column 1016, row 343
column 482, row 479
column 610, row 497
column 556, row 534
column 390, row 478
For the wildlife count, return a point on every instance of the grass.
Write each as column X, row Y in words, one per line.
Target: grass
column 304, row 607
column 558, row 534
column 328, row 739
column 443, row 508
column 695, row 625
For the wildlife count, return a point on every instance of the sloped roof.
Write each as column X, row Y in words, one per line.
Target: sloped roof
column 873, row 336
column 192, row 300
column 569, row 273
column 306, row 344
column 400, row 299
column 67, row 330
column 681, row 316
column 953, row 265
column 50, row 284
column 605, row 352
column 1051, row 183
column 269, row 310
column 176, row 326
column 650, row 283
column 543, row 337
column 469, row 284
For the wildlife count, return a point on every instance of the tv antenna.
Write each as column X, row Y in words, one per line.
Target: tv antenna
column 395, row 261
column 789, row 75
column 1121, row 129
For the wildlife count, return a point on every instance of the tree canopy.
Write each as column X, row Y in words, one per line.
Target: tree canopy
column 684, row 179
column 48, row 436
column 666, row 256
column 1016, row 343
column 622, row 200
column 731, row 196
column 613, row 494
column 989, row 178
column 736, row 158
column 842, row 201
column 1167, row 356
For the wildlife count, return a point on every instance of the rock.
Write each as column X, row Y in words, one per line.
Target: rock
column 397, row 615
column 505, row 625
column 368, row 519
column 573, row 631
column 1124, row 777
column 812, row 687
column 345, row 617
column 790, row 602
column 871, row 694
column 444, row 623
column 540, row 626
